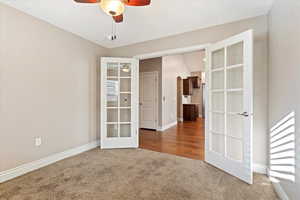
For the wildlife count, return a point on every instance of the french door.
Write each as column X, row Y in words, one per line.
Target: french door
column 119, row 103
column 228, row 137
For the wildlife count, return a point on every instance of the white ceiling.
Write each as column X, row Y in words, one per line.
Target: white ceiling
column 163, row 18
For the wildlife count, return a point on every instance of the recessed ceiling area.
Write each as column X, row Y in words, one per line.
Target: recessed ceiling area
column 161, row 19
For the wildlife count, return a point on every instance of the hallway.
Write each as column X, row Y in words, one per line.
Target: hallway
column 186, row 139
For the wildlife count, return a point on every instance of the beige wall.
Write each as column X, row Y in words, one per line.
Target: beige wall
column 196, row 65
column 172, row 67
column 284, row 76
column 152, row 65
column 48, row 88
column 213, row 34
column 194, row 61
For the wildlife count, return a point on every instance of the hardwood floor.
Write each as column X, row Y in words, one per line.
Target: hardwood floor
column 186, row 139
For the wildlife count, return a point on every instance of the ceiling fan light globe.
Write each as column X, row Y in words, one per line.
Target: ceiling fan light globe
column 112, row 7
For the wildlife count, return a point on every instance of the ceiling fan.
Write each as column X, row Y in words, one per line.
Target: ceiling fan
column 115, row 8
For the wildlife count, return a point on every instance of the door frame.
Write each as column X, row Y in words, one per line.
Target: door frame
column 174, row 51
column 155, row 73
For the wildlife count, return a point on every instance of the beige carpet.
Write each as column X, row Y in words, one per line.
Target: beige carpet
column 132, row 175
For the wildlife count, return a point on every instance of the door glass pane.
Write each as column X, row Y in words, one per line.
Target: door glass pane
column 125, row 100
column 125, row 115
column 234, row 149
column 218, row 80
column 235, row 126
column 217, row 143
column 125, row 130
column 112, row 130
column 112, row 69
column 235, row 78
column 218, row 101
column 125, row 70
column 235, row 54
column 235, row 102
column 125, row 85
column 217, row 123
column 112, row 87
column 112, row 115
column 218, row 59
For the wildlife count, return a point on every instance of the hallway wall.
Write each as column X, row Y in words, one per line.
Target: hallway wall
column 172, row 67
column 155, row 65
column 284, row 73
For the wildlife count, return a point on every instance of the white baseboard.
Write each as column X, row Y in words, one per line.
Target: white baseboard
column 28, row 167
column 180, row 119
column 167, row 126
column 259, row 168
column 262, row 169
column 280, row 191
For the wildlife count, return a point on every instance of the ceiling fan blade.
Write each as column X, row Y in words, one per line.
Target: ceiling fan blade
column 118, row 19
column 87, row 1
column 137, row 2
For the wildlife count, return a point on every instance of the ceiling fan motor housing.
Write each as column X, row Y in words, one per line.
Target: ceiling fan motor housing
column 112, row 7
column 116, row 8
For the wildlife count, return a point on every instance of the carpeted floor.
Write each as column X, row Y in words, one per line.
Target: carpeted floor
column 132, row 175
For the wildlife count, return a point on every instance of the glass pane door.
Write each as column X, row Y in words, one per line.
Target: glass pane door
column 118, row 96
column 119, row 103
column 228, row 131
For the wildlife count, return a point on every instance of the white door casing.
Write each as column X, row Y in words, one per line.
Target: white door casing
column 119, row 103
column 229, row 106
column 148, row 100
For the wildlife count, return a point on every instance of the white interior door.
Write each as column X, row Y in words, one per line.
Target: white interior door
column 119, row 103
column 228, row 134
column 148, row 100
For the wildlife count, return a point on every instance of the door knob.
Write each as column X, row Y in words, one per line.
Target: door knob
column 245, row 114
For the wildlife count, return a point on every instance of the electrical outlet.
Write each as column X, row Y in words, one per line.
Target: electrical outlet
column 38, row 141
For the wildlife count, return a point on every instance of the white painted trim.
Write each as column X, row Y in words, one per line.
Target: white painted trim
column 172, row 51
column 167, row 126
column 259, row 168
column 28, row 167
column 280, row 191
